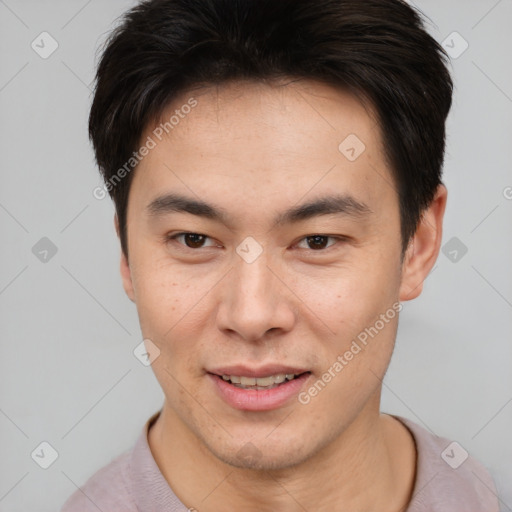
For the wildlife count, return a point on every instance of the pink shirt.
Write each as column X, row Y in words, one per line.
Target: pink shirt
column 132, row 482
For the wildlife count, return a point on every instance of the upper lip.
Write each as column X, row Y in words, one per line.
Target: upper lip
column 241, row 370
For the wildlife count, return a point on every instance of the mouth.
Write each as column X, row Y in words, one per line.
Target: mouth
column 258, row 390
column 260, row 383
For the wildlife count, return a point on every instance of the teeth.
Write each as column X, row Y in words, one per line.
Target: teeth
column 263, row 381
column 259, row 382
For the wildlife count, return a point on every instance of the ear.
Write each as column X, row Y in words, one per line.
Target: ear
column 423, row 249
column 126, row 275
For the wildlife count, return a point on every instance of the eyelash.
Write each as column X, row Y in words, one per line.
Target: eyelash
column 168, row 238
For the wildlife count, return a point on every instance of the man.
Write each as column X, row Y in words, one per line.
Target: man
column 276, row 172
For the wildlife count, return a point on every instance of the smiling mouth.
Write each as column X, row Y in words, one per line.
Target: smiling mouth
column 260, row 383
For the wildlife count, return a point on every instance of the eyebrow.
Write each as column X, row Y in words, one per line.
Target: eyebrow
column 337, row 204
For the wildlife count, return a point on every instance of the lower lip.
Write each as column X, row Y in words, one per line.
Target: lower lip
column 258, row 400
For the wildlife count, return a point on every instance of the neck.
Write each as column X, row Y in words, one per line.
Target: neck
column 371, row 463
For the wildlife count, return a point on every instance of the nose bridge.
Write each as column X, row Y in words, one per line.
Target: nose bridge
column 254, row 301
column 253, row 285
column 254, row 279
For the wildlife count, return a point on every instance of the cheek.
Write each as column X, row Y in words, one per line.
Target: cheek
column 165, row 295
column 347, row 299
column 353, row 370
column 174, row 309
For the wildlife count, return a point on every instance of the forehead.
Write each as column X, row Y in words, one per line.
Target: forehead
column 271, row 106
column 279, row 140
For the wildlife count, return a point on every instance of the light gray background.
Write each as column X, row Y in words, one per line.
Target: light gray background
column 68, row 373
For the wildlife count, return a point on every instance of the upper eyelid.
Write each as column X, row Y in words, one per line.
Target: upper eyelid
column 338, row 238
column 176, row 235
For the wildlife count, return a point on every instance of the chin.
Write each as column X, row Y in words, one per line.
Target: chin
column 262, row 456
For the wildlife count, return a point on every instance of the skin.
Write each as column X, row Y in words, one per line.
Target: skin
column 255, row 150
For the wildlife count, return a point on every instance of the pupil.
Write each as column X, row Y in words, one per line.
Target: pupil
column 190, row 236
column 316, row 239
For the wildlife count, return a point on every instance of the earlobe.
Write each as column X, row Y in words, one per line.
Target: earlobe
column 126, row 275
column 424, row 247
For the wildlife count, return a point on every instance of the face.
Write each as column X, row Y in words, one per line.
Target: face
column 294, row 256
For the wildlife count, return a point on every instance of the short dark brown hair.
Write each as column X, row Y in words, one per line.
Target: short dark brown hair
column 377, row 49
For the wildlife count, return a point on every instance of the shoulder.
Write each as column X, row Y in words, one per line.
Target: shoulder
column 109, row 488
column 448, row 478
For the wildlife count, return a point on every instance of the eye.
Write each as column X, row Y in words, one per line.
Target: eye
column 318, row 242
column 192, row 240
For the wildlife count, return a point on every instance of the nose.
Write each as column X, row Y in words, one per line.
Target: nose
column 255, row 301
